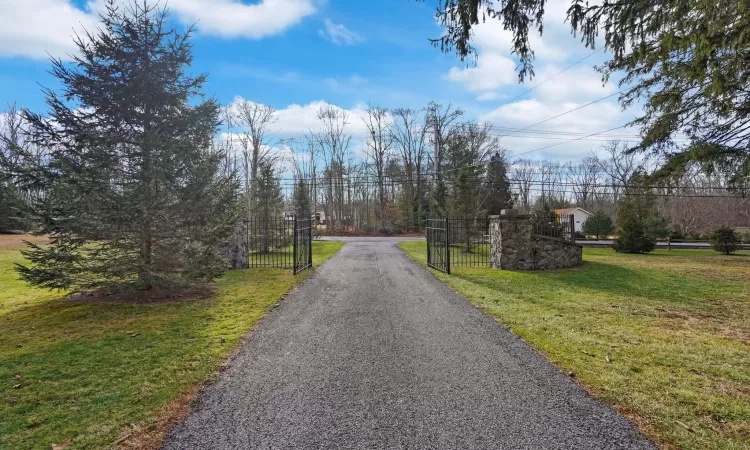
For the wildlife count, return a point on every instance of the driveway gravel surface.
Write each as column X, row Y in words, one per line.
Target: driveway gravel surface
column 373, row 352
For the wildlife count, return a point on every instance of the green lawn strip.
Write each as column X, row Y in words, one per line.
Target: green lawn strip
column 84, row 372
column 664, row 337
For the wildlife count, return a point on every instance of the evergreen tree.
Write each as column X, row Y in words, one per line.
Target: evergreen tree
column 12, row 208
column 686, row 60
column 636, row 216
column 133, row 194
column 498, row 186
column 266, row 208
column 598, row 225
column 725, row 240
column 268, row 201
column 302, row 207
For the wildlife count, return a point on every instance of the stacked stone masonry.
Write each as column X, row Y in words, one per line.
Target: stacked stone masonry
column 514, row 246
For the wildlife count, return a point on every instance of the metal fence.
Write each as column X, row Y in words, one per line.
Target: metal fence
column 469, row 241
column 281, row 243
column 438, row 255
column 302, row 244
column 552, row 225
column 457, row 241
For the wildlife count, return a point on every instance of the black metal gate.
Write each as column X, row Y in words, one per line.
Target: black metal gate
column 458, row 241
column 280, row 243
column 302, row 244
column 438, row 245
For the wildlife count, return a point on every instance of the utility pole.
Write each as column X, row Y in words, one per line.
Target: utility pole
column 436, row 164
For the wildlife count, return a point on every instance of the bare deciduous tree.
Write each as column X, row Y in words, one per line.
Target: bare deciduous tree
column 411, row 140
column 379, row 141
column 251, row 122
column 333, row 142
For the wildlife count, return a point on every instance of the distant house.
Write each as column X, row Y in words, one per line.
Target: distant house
column 579, row 216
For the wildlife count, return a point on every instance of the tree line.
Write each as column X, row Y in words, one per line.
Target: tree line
column 132, row 176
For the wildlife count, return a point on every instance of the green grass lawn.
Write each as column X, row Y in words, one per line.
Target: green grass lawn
column 93, row 375
column 664, row 337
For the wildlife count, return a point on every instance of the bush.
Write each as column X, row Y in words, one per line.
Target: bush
column 634, row 238
column 638, row 224
column 725, row 240
column 598, row 225
column 580, row 235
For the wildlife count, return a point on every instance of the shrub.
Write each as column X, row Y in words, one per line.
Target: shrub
column 725, row 240
column 598, row 225
column 638, row 224
column 634, row 238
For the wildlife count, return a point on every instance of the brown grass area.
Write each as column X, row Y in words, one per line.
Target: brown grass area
column 8, row 241
column 154, row 296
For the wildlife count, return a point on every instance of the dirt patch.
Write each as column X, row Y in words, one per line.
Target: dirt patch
column 9, row 241
column 151, row 435
column 140, row 297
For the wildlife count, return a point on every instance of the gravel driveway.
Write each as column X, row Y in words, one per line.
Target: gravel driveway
column 372, row 351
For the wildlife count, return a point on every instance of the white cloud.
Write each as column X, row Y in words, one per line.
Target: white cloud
column 234, row 18
column 296, row 120
column 34, row 28
column 495, row 78
column 491, row 72
column 339, row 34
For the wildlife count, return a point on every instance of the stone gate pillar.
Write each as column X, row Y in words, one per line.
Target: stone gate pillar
column 236, row 251
column 511, row 246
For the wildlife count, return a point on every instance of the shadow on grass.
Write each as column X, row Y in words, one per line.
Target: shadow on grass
column 616, row 282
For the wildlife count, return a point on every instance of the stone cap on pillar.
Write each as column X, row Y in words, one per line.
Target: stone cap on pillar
column 510, row 214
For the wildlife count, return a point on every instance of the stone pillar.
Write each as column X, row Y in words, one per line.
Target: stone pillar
column 511, row 245
column 237, row 250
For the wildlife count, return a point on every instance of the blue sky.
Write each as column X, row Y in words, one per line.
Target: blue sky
column 296, row 54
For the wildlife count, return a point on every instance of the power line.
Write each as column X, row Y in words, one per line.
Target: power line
column 553, row 76
column 571, row 140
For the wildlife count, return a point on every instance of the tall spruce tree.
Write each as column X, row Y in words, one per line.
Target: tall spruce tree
column 302, row 208
column 133, row 192
column 498, row 187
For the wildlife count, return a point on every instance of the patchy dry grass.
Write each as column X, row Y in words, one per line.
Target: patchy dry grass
column 95, row 374
column 664, row 337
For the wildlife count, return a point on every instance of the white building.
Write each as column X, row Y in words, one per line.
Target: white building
column 579, row 216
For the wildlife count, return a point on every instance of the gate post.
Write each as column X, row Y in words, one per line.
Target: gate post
column 572, row 220
column 447, row 249
column 309, row 241
column 429, row 259
column 294, row 247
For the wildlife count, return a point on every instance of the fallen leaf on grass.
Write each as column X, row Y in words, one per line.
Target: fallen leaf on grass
column 684, row 426
column 62, row 446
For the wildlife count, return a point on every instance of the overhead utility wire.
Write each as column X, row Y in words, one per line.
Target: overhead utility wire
column 553, row 76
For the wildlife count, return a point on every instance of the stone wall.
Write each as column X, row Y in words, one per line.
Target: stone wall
column 554, row 253
column 236, row 251
column 513, row 246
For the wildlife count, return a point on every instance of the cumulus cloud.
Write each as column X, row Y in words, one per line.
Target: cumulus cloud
column 494, row 78
column 234, row 18
column 35, row 28
column 339, row 34
column 296, row 120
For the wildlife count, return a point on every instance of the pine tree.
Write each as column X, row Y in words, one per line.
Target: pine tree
column 302, row 207
column 638, row 223
column 498, row 187
column 133, row 192
column 12, row 209
column 598, row 225
column 266, row 208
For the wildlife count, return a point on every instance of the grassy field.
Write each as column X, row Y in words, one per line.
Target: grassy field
column 97, row 375
column 664, row 337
